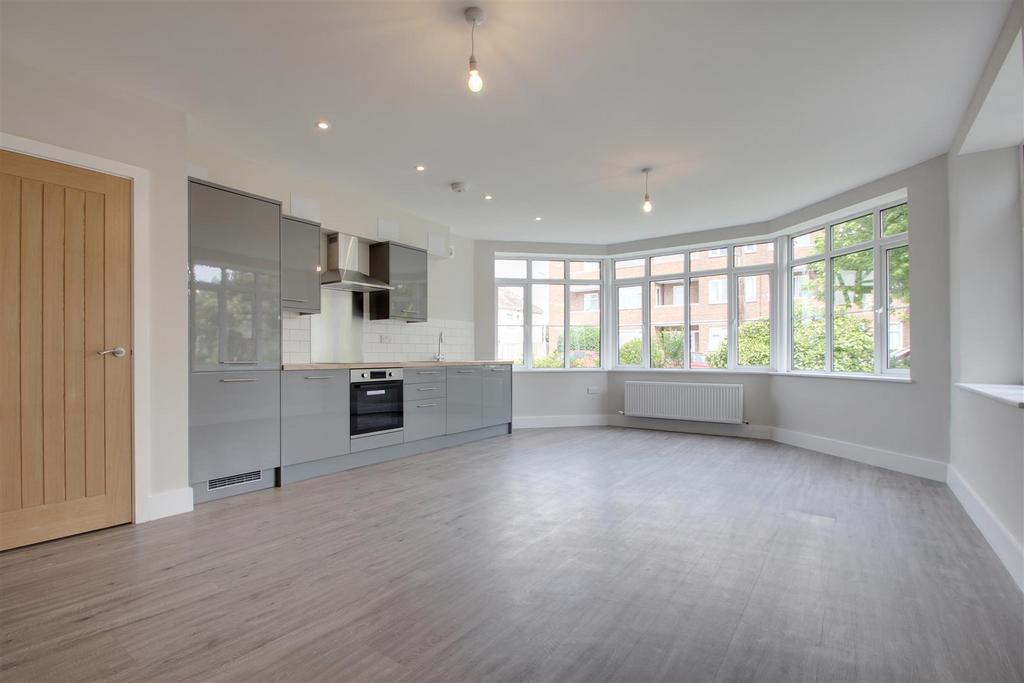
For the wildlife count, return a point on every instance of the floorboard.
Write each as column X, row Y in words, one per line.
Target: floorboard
column 590, row 554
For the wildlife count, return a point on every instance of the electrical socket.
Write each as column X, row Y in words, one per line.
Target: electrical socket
column 593, row 390
column 385, row 339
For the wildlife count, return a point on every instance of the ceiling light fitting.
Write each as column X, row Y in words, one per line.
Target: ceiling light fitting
column 475, row 17
column 647, row 205
column 421, row 168
column 323, row 125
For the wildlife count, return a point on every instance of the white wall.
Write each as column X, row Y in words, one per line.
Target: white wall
column 76, row 115
column 892, row 422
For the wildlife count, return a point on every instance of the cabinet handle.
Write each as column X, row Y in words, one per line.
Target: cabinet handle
column 301, row 301
column 427, row 372
column 243, row 379
column 426, row 389
column 464, row 372
column 319, row 377
column 238, row 362
column 496, row 370
column 425, row 405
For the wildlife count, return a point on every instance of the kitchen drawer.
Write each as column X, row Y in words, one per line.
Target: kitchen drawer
column 371, row 441
column 419, row 375
column 234, row 423
column 314, row 415
column 424, row 419
column 425, row 390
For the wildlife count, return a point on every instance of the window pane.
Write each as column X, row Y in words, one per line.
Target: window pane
column 510, row 324
column 584, row 270
column 709, row 322
column 809, row 244
column 754, row 334
column 808, row 312
column 548, row 270
column 631, row 328
column 668, row 338
column 629, row 268
column 510, row 268
column 709, row 259
column 548, row 328
column 585, row 326
column 754, row 254
column 853, row 231
column 669, row 264
column 898, row 305
column 853, row 312
column 894, row 220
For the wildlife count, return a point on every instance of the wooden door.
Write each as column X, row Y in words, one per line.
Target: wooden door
column 65, row 298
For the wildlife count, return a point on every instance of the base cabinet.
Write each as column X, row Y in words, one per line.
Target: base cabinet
column 314, row 415
column 496, row 399
column 425, row 418
column 234, row 423
column 465, row 393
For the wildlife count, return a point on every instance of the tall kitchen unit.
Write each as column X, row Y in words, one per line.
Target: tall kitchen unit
column 234, row 341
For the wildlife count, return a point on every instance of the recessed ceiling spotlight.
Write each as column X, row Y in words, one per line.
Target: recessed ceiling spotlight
column 488, row 196
column 538, row 218
column 475, row 17
column 421, row 168
column 323, row 125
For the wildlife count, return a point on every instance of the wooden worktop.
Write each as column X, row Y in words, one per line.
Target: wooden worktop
column 390, row 364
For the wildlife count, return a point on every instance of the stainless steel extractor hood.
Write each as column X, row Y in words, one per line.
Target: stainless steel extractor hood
column 340, row 258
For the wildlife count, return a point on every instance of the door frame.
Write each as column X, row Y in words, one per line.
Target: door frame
column 144, row 506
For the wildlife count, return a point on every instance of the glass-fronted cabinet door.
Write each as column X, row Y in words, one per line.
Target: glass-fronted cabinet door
column 405, row 269
column 234, row 280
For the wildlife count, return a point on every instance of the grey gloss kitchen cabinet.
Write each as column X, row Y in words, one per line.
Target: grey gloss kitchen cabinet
column 300, row 265
column 234, row 423
column 464, row 399
column 405, row 269
column 234, row 280
column 496, row 385
column 314, row 415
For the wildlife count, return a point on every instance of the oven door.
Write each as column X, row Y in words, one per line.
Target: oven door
column 375, row 407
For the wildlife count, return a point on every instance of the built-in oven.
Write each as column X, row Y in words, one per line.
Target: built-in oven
column 375, row 404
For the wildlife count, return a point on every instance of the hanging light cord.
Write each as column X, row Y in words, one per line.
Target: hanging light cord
column 472, row 41
column 647, row 174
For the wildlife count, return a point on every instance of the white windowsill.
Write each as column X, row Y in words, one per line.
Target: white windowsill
column 1010, row 394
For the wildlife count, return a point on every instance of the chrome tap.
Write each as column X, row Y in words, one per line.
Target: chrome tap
column 439, row 356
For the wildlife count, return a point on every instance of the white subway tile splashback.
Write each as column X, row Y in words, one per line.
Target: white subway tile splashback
column 408, row 341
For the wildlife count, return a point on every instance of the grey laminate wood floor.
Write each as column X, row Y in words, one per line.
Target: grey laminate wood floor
column 571, row 554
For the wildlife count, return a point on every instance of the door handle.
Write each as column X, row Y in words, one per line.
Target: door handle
column 301, row 301
column 116, row 352
column 237, row 362
column 425, row 405
column 242, row 379
column 426, row 389
column 318, row 377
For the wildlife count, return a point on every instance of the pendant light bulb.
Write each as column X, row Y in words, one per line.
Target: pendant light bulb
column 647, row 205
column 475, row 17
column 475, row 82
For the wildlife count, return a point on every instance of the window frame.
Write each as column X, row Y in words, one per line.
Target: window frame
column 779, row 274
column 879, row 246
column 566, row 282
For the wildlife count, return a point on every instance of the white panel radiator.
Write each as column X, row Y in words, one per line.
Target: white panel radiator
column 685, row 401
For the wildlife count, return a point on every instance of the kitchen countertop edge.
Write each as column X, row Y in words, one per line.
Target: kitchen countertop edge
column 392, row 364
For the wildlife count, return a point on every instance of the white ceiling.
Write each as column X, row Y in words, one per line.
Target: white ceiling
column 745, row 110
column 1000, row 121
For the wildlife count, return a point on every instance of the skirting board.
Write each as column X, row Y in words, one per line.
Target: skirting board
column 166, row 504
column 1006, row 547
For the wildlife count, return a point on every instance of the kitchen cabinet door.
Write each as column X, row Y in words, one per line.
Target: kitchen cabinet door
column 314, row 415
column 234, row 424
column 405, row 269
column 496, row 381
column 300, row 263
column 235, row 280
column 464, row 396
column 424, row 418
